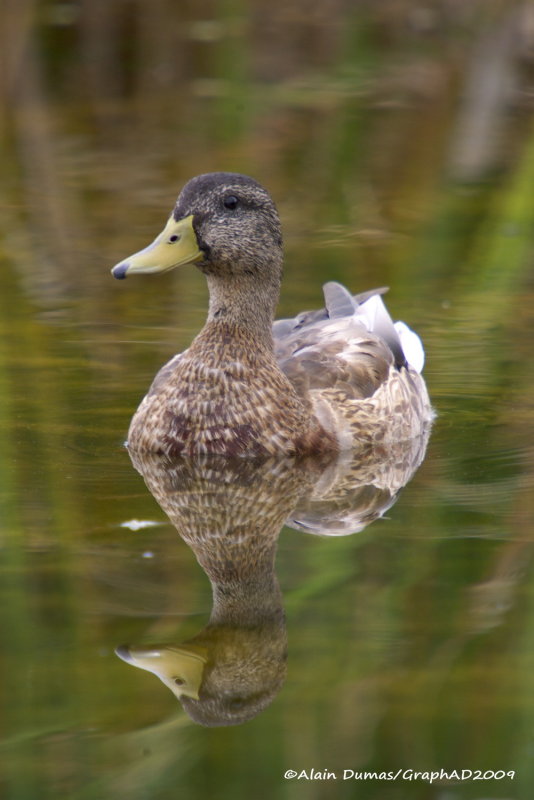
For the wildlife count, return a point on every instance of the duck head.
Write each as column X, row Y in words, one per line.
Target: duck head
column 224, row 223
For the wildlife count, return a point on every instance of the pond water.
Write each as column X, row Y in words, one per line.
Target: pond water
column 406, row 646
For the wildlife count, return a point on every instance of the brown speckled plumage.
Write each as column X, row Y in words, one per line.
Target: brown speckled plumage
column 227, row 397
column 325, row 381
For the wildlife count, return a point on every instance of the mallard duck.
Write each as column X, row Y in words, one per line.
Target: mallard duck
column 330, row 380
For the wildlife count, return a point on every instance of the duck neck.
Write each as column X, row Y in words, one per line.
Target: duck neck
column 245, row 589
column 245, row 303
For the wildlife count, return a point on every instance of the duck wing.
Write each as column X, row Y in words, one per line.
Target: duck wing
column 352, row 344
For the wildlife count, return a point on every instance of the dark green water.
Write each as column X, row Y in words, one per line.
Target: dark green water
column 411, row 643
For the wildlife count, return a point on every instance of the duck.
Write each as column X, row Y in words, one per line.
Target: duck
column 345, row 377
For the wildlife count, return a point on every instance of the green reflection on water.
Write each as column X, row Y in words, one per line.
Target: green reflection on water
column 410, row 644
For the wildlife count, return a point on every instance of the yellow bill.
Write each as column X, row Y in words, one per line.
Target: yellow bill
column 175, row 246
column 180, row 668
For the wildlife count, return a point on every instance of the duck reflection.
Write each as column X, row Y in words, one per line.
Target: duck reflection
column 230, row 512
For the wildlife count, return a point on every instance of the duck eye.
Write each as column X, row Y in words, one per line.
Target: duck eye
column 231, row 202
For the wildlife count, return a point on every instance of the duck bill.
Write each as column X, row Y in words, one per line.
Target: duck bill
column 176, row 246
column 180, row 668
